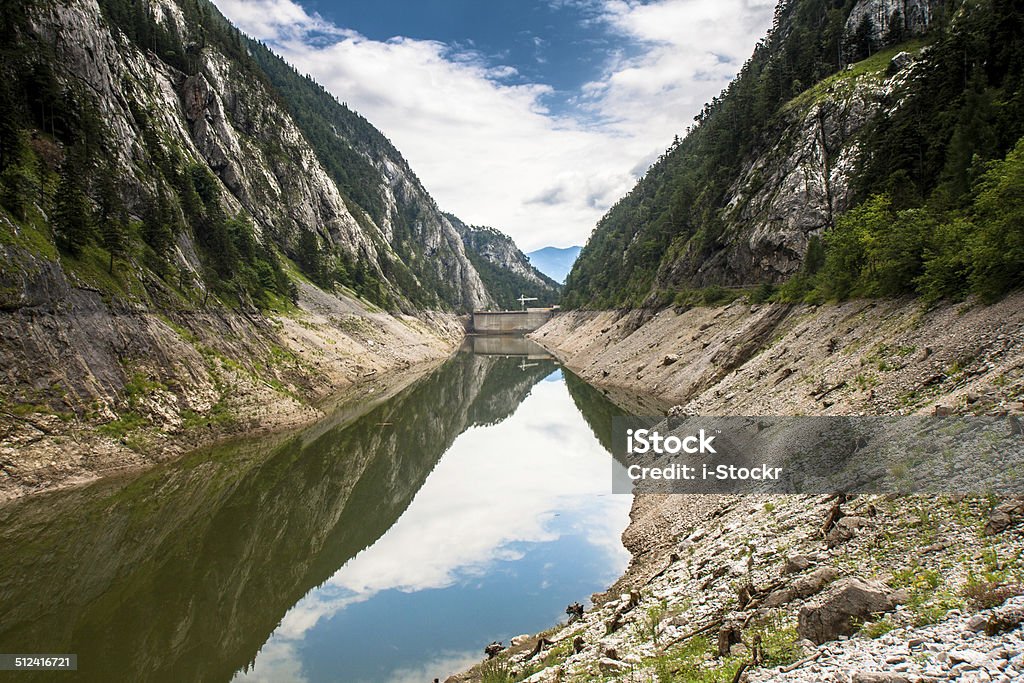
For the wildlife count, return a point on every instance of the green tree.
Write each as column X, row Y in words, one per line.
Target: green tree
column 17, row 181
column 158, row 228
column 997, row 246
column 111, row 216
column 72, row 216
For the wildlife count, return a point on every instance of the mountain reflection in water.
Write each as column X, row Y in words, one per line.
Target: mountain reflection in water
column 388, row 542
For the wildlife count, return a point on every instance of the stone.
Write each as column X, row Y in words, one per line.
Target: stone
column 520, row 640
column 803, row 587
column 670, row 359
column 739, row 650
column 612, row 666
column 835, row 614
column 900, row 61
column 796, row 563
column 878, row 677
column 1004, row 516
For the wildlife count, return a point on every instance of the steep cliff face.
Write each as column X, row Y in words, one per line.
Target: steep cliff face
column 897, row 102
column 427, row 254
column 153, row 91
column 798, row 184
column 505, row 269
column 882, row 18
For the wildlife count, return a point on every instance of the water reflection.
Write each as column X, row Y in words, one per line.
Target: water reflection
column 387, row 543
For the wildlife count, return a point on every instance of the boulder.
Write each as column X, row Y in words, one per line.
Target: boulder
column 670, row 359
column 612, row 666
column 1004, row 516
column 850, row 600
column 796, row 564
column 844, row 530
column 900, row 61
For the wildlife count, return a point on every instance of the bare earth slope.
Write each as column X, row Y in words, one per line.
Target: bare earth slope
column 90, row 387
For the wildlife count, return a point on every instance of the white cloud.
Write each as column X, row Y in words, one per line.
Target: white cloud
column 490, row 151
column 548, row 470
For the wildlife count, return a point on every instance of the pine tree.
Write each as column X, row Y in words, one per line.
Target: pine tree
column 158, row 227
column 72, row 218
column 112, row 217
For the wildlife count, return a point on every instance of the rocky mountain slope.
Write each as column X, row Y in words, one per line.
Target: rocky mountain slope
column 843, row 104
column 505, row 269
column 749, row 588
column 860, row 357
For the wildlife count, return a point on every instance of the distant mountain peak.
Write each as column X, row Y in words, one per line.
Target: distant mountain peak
column 555, row 262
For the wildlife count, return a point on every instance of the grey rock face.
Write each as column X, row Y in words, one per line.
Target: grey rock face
column 910, row 17
column 268, row 170
column 788, row 193
column 834, row 614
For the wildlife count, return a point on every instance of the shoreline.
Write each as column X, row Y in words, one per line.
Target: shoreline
column 194, row 382
column 739, row 359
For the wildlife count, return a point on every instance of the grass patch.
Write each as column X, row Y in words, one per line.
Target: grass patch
column 495, row 671
column 694, row 661
column 122, row 426
column 844, row 82
column 877, row 629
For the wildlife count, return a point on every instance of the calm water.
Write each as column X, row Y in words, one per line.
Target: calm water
column 389, row 542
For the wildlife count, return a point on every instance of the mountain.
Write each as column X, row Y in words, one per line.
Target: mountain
column 156, row 135
column 196, row 240
column 554, row 262
column 867, row 148
column 505, row 270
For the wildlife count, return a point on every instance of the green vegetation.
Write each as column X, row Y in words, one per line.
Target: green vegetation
column 938, row 194
column 694, row 660
column 932, row 250
column 51, row 139
column 495, row 671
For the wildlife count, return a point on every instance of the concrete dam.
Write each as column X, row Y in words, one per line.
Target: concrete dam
column 510, row 322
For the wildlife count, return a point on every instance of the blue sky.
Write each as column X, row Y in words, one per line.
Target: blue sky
column 532, row 116
column 562, row 46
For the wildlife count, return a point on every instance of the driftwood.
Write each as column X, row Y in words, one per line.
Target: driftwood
column 696, row 632
column 539, row 647
column 834, row 515
column 739, row 672
column 800, row 662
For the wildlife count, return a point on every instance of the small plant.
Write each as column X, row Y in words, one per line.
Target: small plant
column 877, row 629
column 983, row 594
column 935, row 609
column 779, row 642
column 495, row 671
column 648, row 626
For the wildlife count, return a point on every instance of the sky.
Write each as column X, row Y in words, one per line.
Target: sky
column 530, row 116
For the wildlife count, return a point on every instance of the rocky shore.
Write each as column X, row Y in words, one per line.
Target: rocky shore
column 800, row 588
column 754, row 588
column 92, row 390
